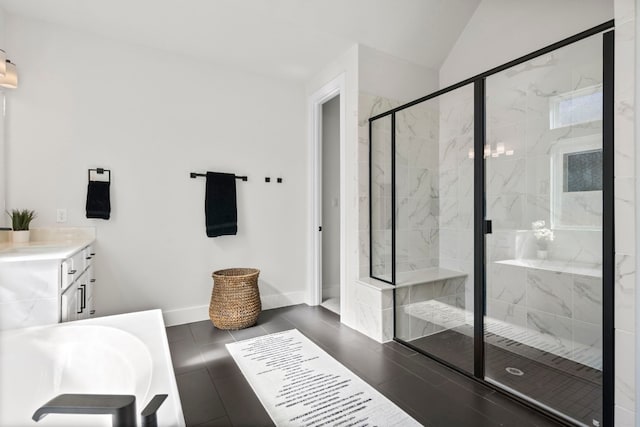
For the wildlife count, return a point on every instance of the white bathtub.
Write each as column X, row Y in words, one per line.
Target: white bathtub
column 123, row 354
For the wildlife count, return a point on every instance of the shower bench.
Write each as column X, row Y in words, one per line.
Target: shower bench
column 374, row 298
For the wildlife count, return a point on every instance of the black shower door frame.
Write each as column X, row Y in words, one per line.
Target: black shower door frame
column 480, row 223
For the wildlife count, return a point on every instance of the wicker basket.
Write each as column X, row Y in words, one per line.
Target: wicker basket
column 235, row 298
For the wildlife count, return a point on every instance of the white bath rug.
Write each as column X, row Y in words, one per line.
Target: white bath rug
column 299, row 384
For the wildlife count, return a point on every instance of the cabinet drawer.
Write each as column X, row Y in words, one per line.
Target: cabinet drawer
column 88, row 254
column 72, row 268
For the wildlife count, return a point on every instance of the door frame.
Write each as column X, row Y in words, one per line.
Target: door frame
column 330, row 90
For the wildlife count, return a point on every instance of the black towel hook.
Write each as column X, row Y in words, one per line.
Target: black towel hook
column 99, row 171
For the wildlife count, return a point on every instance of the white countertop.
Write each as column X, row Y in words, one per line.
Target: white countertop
column 41, row 250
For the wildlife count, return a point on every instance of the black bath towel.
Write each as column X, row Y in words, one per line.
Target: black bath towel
column 220, row 204
column 98, row 200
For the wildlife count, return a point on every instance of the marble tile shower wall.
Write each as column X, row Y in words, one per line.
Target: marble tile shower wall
column 519, row 183
column 519, row 191
column 369, row 106
column 564, row 305
column 455, row 182
column 416, row 187
column 415, row 320
column 417, row 237
column 625, row 206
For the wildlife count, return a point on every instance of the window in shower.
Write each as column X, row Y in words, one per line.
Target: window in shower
column 576, row 107
column 576, row 183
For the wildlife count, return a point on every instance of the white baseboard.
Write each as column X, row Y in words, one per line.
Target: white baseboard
column 185, row 315
column 283, row 300
column 195, row 314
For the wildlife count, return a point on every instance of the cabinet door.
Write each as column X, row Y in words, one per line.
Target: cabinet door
column 83, row 286
column 91, row 283
column 69, row 304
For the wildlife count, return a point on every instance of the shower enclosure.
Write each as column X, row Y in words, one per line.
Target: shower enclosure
column 492, row 215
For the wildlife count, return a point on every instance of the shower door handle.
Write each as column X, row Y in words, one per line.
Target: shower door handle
column 488, row 228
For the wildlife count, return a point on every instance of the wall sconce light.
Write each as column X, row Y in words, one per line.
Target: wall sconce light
column 500, row 150
column 10, row 79
column 3, row 64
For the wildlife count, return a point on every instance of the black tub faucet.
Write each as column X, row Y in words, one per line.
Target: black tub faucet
column 122, row 407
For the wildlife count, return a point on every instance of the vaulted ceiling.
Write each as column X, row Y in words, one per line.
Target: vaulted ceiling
column 285, row 38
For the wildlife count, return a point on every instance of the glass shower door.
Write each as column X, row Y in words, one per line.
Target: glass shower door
column 434, row 250
column 543, row 192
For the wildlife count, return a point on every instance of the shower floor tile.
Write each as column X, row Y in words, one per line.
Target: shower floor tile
column 565, row 386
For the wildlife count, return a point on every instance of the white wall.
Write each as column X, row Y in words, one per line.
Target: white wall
column 3, row 218
column 2, row 29
column 636, row 160
column 331, row 197
column 390, row 77
column 502, row 30
column 152, row 117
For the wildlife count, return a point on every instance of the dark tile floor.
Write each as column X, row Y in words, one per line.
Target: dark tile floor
column 214, row 392
column 568, row 387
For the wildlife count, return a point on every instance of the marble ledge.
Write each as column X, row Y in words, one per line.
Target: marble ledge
column 412, row 278
column 567, row 267
column 46, row 244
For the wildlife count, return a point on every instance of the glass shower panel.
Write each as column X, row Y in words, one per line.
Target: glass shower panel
column 381, row 182
column 543, row 158
column 434, row 226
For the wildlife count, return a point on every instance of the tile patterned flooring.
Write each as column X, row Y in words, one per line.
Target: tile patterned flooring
column 214, row 392
column 566, row 386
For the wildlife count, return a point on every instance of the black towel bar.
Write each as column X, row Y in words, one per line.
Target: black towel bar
column 195, row 175
column 99, row 171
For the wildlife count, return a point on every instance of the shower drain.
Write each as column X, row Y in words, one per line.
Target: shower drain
column 514, row 371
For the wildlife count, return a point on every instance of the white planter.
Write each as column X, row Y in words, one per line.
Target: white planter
column 21, row 236
column 542, row 254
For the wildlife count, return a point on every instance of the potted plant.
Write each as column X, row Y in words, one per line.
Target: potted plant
column 543, row 236
column 20, row 221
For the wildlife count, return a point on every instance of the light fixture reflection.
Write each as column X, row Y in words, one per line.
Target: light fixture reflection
column 10, row 79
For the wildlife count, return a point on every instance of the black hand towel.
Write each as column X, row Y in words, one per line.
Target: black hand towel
column 220, row 204
column 98, row 200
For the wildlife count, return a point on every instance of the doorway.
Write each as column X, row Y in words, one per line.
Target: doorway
column 331, row 204
column 327, row 219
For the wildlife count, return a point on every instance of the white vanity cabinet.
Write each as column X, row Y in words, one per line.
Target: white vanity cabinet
column 77, row 284
column 47, row 285
column 76, row 301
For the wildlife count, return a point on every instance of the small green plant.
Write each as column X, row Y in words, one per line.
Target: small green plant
column 20, row 219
